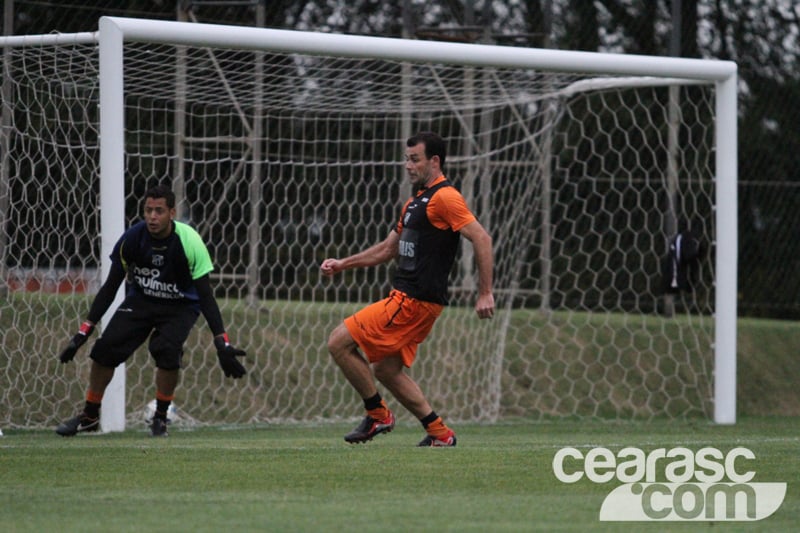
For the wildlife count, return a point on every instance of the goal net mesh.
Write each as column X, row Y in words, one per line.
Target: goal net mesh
column 280, row 160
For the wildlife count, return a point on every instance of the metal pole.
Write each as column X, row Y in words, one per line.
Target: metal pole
column 5, row 131
column 406, row 105
column 546, row 173
column 179, row 137
column 469, row 156
column 673, row 111
column 727, row 166
column 112, row 190
column 254, row 227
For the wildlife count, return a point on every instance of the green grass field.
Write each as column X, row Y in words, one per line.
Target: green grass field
column 306, row 478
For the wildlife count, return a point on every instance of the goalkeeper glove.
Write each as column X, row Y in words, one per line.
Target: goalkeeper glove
column 76, row 342
column 227, row 355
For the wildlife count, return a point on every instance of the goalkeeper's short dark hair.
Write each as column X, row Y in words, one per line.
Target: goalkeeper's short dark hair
column 162, row 191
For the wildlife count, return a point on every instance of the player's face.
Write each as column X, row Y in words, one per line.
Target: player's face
column 421, row 170
column 158, row 217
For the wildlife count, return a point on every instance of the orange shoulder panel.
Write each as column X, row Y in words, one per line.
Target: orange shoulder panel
column 448, row 210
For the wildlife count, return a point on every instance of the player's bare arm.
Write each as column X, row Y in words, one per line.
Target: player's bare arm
column 482, row 243
column 374, row 255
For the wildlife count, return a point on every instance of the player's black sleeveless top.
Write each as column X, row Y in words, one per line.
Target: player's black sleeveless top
column 426, row 253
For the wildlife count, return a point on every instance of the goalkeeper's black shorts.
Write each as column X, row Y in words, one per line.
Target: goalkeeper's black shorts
column 168, row 325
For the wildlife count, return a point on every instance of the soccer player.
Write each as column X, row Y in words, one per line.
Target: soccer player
column 424, row 241
column 165, row 265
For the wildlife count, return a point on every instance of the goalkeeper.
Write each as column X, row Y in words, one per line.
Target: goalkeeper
column 424, row 241
column 166, row 267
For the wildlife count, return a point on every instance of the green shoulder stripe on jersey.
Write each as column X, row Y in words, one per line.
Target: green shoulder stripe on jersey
column 122, row 257
column 195, row 249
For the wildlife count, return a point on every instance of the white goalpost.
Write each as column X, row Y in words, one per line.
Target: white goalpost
column 284, row 147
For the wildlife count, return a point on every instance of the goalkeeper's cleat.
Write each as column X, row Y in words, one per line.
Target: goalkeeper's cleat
column 448, row 440
column 78, row 424
column 158, row 427
column 369, row 427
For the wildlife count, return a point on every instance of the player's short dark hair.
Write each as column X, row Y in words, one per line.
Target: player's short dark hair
column 162, row 191
column 434, row 145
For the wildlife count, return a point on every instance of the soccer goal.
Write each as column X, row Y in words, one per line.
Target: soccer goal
column 286, row 147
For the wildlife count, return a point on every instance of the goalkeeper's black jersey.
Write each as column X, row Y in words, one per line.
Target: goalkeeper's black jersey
column 162, row 269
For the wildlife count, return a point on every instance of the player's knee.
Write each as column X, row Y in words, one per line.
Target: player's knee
column 167, row 359
column 168, row 365
column 106, row 357
column 386, row 372
column 166, row 353
column 338, row 341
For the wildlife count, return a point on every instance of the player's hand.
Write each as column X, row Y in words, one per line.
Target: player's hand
column 329, row 267
column 76, row 342
column 484, row 307
column 227, row 355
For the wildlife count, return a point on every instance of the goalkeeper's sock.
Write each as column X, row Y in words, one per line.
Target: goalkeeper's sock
column 92, row 406
column 435, row 426
column 376, row 407
column 163, row 401
column 161, row 410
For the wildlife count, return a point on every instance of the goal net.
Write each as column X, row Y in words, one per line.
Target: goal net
column 284, row 156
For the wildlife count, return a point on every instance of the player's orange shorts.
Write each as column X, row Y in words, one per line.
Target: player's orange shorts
column 392, row 326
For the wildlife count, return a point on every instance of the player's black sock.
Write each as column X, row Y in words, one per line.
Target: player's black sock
column 373, row 402
column 428, row 420
column 91, row 410
column 162, row 407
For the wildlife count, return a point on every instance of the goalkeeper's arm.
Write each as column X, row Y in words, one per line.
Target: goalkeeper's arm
column 226, row 353
column 103, row 300
column 106, row 294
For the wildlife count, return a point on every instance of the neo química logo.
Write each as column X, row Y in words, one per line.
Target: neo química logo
column 675, row 484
